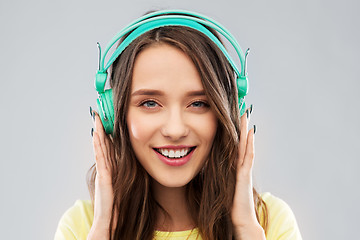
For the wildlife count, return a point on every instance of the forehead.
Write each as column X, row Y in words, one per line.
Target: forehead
column 165, row 67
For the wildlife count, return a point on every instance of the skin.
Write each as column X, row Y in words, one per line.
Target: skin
column 169, row 118
column 172, row 118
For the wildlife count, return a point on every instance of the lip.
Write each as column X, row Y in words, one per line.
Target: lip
column 175, row 162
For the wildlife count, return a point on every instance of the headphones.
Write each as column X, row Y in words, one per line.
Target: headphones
column 151, row 21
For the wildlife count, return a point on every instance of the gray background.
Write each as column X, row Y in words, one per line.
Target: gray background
column 303, row 73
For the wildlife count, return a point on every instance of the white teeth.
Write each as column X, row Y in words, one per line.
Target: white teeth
column 177, row 154
column 174, row 153
column 165, row 152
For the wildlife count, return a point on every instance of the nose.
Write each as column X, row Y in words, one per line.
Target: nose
column 174, row 126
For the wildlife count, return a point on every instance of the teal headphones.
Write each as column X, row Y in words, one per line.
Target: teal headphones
column 151, row 21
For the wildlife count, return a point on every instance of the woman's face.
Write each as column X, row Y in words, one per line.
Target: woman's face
column 171, row 125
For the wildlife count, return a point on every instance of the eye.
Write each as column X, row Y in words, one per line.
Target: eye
column 149, row 104
column 199, row 104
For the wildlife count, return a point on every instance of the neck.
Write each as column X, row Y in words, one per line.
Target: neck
column 173, row 200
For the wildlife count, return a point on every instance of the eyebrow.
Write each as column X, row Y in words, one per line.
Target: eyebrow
column 152, row 92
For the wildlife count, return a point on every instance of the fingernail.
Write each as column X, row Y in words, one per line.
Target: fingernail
column 92, row 132
column 254, row 129
column 93, row 116
column 251, row 108
column 91, row 112
column 247, row 113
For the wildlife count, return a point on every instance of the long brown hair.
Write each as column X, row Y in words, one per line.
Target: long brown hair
column 210, row 194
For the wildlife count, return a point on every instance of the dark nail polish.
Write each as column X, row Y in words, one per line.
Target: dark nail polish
column 251, row 108
column 92, row 132
column 91, row 112
column 254, row 129
column 247, row 113
column 93, row 117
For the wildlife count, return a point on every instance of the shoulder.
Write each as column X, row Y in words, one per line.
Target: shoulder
column 276, row 206
column 76, row 221
column 281, row 219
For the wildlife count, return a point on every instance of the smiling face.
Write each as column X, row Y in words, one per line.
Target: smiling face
column 168, row 116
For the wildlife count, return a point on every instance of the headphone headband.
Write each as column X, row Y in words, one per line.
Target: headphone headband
column 193, row 16
column 152, row 21
column 172, row 20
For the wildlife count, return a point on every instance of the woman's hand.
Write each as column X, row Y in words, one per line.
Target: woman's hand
column 243, row 213
column 104, row 195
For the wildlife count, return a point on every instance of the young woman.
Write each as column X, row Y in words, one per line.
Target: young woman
column 178, row 164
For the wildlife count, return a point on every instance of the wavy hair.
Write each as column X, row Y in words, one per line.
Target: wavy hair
column 210, row 194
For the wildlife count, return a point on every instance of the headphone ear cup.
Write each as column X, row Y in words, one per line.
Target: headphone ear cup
column 242, row 84
column 106, row 110
column 242, row 106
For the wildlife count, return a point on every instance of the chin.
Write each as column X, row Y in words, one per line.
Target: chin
column 173, row 181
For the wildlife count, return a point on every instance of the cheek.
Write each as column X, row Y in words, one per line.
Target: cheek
column 138, row 126
column 204, row 126
column 142, row 127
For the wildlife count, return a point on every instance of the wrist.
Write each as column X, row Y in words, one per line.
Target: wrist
column 98, row 232
column 252, row 232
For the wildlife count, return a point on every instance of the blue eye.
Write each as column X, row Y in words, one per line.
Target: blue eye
column 149, row 104
column 200, row 104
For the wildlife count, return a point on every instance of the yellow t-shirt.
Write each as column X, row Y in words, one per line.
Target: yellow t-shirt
column 77, row 220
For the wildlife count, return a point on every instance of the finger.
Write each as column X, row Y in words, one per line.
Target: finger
column 99, row 155
column 99, row 127
column 243, row 134
column 102, row 137
column 250, row 151
column 109, row 150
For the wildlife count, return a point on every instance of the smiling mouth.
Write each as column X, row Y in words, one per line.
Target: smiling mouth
column 174, row 157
